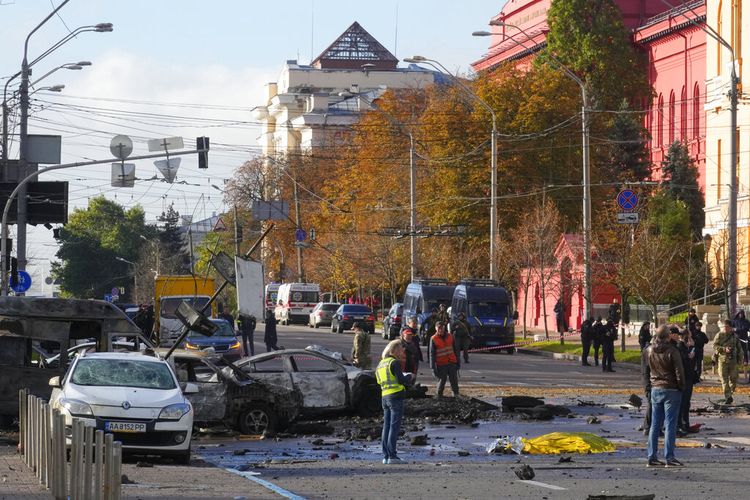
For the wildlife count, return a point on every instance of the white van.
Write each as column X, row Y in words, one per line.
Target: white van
column 272, row 293
column 295, row 302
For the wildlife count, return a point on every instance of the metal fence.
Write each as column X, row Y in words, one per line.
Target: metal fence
column 95, row 469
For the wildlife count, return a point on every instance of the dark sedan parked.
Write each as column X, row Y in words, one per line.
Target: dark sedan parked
column 392, row 321
column 224, row 342
column 348, row 314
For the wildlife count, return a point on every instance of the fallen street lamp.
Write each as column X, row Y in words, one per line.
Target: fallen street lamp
column 585, row 160
column 493, row 176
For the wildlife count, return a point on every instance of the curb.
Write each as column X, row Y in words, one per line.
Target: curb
column 570, row 357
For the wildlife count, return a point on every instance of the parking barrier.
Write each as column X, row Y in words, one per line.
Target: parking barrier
column 95, row 458
column 525, row 342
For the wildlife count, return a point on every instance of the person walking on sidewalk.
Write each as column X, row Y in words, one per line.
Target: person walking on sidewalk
column 608, row 346
column 393, row 384
column 361, row 348
column 587, row 334
column 728, row 354
column 462, row 332
column 444, row 359
column 662, row 367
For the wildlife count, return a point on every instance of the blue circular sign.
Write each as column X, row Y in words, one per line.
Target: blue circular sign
column 300, row 234
column 627, row 200
column 23, row 283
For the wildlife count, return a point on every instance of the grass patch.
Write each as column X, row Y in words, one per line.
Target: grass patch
column 629, row 356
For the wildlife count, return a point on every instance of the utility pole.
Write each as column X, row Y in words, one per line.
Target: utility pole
column 236, row 233
column 298, row 222
column 412, row 207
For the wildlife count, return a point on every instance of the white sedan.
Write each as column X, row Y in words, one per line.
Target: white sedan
column 134, row 396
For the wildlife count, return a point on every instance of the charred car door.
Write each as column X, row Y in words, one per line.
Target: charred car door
column 322, row 383
column 210, row 402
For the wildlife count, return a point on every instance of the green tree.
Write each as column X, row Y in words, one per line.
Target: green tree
column 173, row 258
column 628, row 157
column 680, row 178
column 90, row 243
column 590, row 38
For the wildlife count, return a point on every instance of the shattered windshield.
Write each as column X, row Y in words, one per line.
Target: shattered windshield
column 123, row 373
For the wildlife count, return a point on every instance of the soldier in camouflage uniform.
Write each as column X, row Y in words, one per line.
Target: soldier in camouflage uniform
column 728, row 353
column 462, row 333
column 361, row 348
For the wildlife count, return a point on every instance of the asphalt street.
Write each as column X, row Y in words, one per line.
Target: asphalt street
column 485, row 367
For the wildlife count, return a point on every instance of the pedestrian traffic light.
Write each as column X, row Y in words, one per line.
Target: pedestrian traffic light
column 239, row 233
column 202, row 143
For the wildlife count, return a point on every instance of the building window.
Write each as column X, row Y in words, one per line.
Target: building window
column 683, row 115
column 660, row 122
column 696, row 111
column 671, row 123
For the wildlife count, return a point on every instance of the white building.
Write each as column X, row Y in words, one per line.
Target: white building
column 305, row 108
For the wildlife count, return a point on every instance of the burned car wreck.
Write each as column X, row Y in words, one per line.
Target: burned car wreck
column 267, row 392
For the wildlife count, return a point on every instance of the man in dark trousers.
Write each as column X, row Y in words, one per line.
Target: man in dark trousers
column 608, row 346
column 247, row 329
column 587, row 334
column 598, row 334
column 562, row 323
column 741, row 328
column 691, row 320
column 270, row 337
column 700, row 339
column 615, row 313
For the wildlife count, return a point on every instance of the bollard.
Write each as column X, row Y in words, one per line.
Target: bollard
column 108, row 472
column 88, row 441
column 44, row 448
column 74, row 451
column 32, row 434
column 79, row 458
column 117, row 470
column 62, row 458
column 99, row 459
column 39, row 441
column 54, row 464
column 22, row 419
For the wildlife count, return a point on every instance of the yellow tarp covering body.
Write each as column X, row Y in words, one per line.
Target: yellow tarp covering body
column 567, row 442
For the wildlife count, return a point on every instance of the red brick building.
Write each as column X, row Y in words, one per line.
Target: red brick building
column 676, row 50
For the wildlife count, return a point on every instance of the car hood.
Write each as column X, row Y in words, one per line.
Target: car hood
column 115, row 396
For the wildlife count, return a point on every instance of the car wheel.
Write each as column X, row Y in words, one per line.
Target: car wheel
column 511, row 350
column 183, row 458
column 340, row 328
column 257, row 420
column 370, row 404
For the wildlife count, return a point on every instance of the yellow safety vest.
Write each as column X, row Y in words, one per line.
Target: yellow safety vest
column 389, row 384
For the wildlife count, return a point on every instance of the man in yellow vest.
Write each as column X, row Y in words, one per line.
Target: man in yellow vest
column 393, row 384
column 444, row 359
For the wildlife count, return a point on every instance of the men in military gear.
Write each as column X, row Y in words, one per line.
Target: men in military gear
column 462, row 334
column 608, row 346
column 728, row 353
column 361, row 348
column 587, row 336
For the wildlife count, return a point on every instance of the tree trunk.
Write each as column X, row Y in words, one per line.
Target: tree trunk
column 527, row 285
column 624, row 297
column 543, row 291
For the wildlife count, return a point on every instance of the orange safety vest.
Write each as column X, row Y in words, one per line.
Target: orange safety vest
column 444, row 353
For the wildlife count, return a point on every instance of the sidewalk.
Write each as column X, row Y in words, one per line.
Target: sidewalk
column 16, row 479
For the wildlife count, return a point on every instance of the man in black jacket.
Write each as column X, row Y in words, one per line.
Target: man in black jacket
column 598, row 334
column 608, row 346
column 587, row 335
column 700, row 339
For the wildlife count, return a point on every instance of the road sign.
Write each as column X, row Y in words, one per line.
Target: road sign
column 627, row 200
column 220, row 225
column 107, row 297
column 628, row 218
column 300, row 234
column 115, row 291
column 23, row 283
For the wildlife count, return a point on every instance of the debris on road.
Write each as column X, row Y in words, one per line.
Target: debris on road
column 593, row 420
column 511, row 403
column 525, row 472
column 621, row 497
column 420, row 440
column 552, row 444
column 635, row 401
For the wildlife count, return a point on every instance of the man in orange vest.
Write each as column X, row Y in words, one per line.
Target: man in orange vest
column 444, row 359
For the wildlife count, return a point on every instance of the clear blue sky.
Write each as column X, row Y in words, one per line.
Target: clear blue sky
column 213, row 56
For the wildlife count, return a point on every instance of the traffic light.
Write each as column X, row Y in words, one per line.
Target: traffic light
column 13, row 271
column 202, row 143
column 239, row 233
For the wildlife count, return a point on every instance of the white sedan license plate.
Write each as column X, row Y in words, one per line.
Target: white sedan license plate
column 125, row 427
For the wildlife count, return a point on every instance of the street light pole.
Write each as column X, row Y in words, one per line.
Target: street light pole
column 135, row 278
column 412, row 180
column 585, row 160
column 24, row 121
column 731, row 264
column 493, row 162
